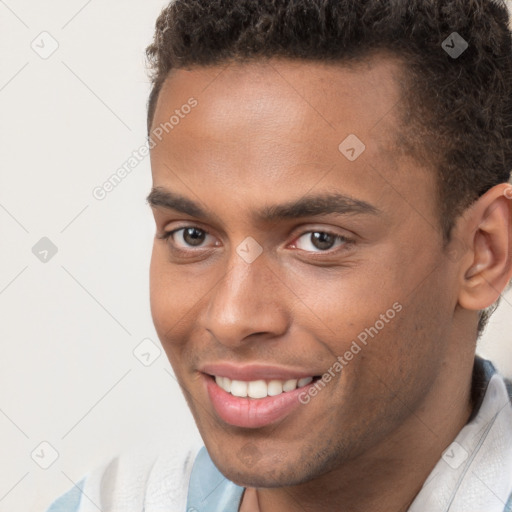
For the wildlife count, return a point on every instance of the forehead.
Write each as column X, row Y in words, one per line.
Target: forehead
column 282, row 126
column 335, row 95
column 275, row 107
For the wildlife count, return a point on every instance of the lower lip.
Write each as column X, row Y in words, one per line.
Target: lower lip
column 252, row 412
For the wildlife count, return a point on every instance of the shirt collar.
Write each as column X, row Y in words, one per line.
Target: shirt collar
column 209, row 489
column 475, row 471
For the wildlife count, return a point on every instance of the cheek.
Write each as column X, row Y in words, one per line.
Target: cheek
column 167, row 303
column 407, row 352
column 388, row 312
column 168, row 309
column 177, row 295
column 342, row 303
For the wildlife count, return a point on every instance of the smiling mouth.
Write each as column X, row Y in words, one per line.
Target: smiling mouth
column 258, row 389
column 255, row 403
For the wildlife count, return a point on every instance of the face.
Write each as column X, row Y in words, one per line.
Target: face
column 286, row 250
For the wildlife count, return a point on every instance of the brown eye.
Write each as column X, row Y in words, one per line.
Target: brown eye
column 319, row 241
column 187, row 237
column 193, row 236
column 323, row 241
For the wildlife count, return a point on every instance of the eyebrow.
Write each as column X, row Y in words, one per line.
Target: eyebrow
column 307, row 206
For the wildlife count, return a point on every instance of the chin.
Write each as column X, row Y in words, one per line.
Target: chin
column 250, row 468
column 263, row 477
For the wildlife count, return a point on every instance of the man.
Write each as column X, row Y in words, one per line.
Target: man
column 333, row 228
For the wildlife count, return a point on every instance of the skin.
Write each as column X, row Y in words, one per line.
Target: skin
column 267, row 133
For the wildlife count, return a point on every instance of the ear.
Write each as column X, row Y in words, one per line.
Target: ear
column 487, row 233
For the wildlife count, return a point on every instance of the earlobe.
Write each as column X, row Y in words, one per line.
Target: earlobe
column 488, row 227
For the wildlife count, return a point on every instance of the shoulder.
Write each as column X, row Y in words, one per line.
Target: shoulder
column 138, row 480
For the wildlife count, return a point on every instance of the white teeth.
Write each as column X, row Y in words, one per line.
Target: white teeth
column 257, row 389
column 290, row 385
column 238, row 388
column 275, row 387
column 224, row 383
column 304, row 382
column 260, row 388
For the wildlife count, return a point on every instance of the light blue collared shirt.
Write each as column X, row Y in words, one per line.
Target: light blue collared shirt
column 209, row 489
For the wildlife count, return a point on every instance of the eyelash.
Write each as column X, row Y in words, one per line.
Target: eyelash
column 168, row 235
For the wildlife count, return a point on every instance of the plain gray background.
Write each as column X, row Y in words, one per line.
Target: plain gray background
column 72, row 324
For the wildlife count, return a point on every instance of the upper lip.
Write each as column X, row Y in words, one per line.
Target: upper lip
column 251, row 372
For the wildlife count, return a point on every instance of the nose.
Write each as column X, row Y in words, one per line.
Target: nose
column 249, row 300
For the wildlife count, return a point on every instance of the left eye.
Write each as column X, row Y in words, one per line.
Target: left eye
column 319, row 240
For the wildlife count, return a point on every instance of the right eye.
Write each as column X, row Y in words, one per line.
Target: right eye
column 184, row 238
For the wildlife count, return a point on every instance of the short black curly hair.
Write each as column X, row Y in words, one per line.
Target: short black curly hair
column 457, row 110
